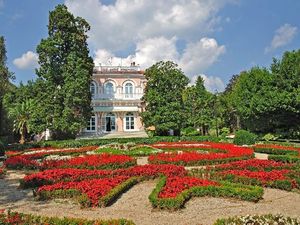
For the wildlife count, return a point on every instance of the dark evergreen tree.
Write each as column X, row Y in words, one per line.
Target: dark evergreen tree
column 64, row 75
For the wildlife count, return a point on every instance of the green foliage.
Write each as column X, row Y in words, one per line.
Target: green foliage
column 243, row 137
column 199, row 106
column 5, row 86
column 136, row 151
column 2, row 148
column 267, row 101
column 64, row 75
column 269, row 137
column 89, row 142
column 189, row 131
column 261, row 219
column 285, row 158
column 12, row 218
column 163, row 97
column 21, row 114
column 239, row 191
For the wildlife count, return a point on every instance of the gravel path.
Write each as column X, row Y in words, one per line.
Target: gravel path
column 134, row 205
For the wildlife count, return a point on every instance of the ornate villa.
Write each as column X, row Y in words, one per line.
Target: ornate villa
column 116, row 99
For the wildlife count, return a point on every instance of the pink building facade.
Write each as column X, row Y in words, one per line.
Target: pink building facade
column 116, row 100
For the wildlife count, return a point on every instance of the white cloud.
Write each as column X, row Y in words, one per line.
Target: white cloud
column 283, row 35
column 195, row 58
column 152, row 29
column 122, row 24
column 213, row 83
column 28, row 60
column 200, row 55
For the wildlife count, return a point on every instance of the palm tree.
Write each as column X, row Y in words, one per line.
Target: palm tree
column 21, row 114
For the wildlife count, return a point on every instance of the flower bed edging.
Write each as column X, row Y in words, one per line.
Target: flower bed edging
column 257, row 219
column 13, row 218
column 243, row 192
column 88, row 197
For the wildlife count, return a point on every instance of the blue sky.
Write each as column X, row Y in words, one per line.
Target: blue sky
column 211, row 38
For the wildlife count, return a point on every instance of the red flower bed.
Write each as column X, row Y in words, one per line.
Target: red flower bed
column 263, row 176
column 232, row 152
column 70, row 174
column 254, row 164
column 176, row 185
column 94, row 189
column 28, row 161
column 91, row 161
column 20, row 162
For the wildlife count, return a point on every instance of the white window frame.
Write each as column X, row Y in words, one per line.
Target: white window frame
column 128, row 95
column 105, row 88
column 132, row 119
column 93, row 94
column 88, row 128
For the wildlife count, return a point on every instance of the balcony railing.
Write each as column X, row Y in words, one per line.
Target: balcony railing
column 118, row 96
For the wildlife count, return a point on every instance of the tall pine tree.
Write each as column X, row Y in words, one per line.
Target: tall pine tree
column 64, row 74
column 5, row 85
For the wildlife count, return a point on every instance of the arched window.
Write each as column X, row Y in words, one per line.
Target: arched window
column 128, row 90
column 93, row 89
column 129, row 121
column 109, row 88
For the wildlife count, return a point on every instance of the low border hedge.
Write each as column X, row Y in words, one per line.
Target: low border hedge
column 285, row 158
column 13, row 218
column 202, row 162
column 243, row 192
column 82, row 198
column 262, row 219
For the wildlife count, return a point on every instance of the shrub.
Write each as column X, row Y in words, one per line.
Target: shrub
column 264, row 219
column 243, row 137
column 189, row 131
column 12, row 218
column 269, row 137
column 2, row 149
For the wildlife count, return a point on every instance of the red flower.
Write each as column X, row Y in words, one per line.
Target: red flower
column 176, row 185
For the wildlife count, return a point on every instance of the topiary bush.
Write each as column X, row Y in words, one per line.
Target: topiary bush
column 243, row 137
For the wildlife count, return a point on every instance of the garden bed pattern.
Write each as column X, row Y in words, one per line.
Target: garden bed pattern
column 183, row 153
column 266, row 173
column 280, row 153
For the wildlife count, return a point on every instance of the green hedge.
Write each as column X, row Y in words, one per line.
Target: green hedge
column 275, row 151
column 14, row 218
column 135, row 151
column 202, row 162
column 263, row 219
column 151, row 140
column 243, row 137
column 243, row 192
column 285, row 158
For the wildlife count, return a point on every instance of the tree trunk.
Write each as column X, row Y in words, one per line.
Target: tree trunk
column 23, row 135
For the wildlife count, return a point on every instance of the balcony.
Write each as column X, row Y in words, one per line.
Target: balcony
column 118, row 96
